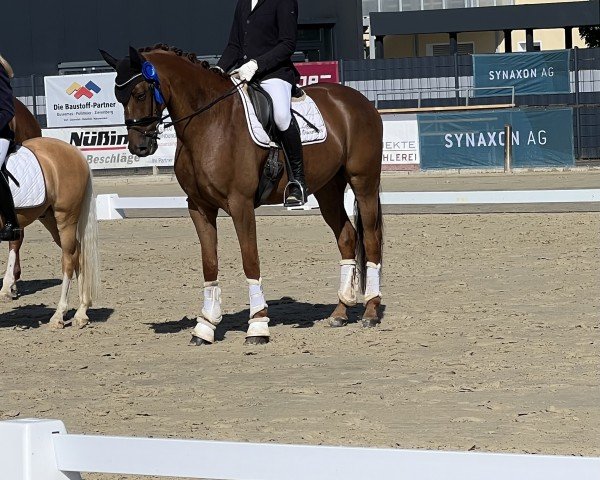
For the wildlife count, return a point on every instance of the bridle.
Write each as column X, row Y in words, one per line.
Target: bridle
column 150, row 76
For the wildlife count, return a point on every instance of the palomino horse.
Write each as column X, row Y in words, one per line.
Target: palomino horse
column 218, row 166
column 25, row 126
column 69, row 214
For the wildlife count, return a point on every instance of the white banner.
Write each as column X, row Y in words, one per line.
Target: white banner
column 82, row 100
column 400, row 139
column 107, row 147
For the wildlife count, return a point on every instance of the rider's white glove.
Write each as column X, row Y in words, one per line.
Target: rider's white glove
column 247, row 70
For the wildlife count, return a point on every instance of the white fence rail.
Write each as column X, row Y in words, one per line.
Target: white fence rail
column 42, row 450
column 112, row 207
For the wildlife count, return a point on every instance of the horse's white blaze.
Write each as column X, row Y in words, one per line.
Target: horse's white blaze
column 9, row 276
column 372, row 289
column 348, row 284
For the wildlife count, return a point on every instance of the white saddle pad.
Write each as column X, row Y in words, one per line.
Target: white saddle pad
column 306, row 107
column 24, row 166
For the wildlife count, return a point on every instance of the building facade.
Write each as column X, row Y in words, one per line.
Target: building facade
column 414, row 45
column 45, row 34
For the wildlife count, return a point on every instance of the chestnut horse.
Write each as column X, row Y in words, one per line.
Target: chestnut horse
column 218, row 166
column 25, row 126
column 69, row 214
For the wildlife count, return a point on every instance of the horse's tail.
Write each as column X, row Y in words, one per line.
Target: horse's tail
column 360, row 253
column 87, row 234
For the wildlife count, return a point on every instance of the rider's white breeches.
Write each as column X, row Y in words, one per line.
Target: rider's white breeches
column 281, row 93
column 4, row 144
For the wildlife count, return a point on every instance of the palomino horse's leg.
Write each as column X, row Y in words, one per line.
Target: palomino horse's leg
column 205, row 221
column 68, row 244
column 13, row 270
column 370, row 215
column 331, row 203
column 244, row 220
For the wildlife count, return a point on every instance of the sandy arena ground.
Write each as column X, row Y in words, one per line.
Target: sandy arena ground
column 489, row 341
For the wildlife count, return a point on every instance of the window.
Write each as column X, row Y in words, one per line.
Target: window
column 433, row 4
column 411, row 5
column 537, row 46
column 390, row 5
column 369, row 6
column 455, row 3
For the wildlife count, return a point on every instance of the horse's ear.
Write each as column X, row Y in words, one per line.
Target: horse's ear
column 135, row 58
column 108, row 58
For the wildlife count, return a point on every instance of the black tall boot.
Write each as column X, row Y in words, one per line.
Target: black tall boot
column 10, row 232
column 292, row 144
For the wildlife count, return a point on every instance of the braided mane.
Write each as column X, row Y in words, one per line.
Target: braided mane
column 177, row 51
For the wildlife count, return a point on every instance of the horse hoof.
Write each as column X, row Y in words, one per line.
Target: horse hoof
column 370, row 322
column 7, row 297
column 336, row 322
column 198, row 342
column 256, row 341
column 56, row 324
column 80, row 322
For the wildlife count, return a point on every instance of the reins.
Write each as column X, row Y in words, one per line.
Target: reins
column 146, row 121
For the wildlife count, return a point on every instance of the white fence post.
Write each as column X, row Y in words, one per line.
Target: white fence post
column 105, row 209
column 27, row 450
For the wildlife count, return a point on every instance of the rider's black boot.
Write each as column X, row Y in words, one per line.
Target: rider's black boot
column 296, row 191
column 10, row 231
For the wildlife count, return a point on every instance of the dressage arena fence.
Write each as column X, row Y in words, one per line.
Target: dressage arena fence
column 33, row 449
column 113, row 207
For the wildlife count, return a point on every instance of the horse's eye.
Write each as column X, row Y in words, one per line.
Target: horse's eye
column 141, row 97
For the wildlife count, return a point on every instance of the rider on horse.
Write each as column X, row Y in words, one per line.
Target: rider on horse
column 261, row 44
column 10, row 231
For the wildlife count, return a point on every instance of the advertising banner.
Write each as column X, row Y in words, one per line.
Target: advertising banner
column 82, row 100
column 528, row 72
column 318, row 72
column 540, row 138
column 107, row 147
column 400, row 142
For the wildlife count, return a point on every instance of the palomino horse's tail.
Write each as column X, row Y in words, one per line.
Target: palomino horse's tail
column 87, row 234
column 360, row 254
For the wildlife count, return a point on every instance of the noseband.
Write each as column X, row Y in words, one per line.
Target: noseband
column 150, row 76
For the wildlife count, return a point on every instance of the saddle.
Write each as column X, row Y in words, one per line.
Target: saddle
column 273, row 168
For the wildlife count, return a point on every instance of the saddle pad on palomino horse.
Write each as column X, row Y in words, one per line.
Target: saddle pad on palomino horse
column 305, row 109
column 24, row 166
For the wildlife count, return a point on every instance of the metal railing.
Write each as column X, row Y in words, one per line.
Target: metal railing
column 454, row 92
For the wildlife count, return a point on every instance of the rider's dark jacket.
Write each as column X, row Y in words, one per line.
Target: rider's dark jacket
column 7, row 106
column 266, row 34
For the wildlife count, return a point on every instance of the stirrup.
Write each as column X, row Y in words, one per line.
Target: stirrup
column 295, row 202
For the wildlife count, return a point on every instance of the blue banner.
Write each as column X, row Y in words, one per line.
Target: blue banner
column 540, row 138
column 527, row 72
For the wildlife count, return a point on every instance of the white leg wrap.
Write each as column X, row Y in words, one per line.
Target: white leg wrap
column 373, row 278
column 348, row 285
column 259, row 327
column 257, row 297
column 211, row 310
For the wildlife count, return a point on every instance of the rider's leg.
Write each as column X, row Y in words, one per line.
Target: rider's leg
column 10, row 231
column 281, row 93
